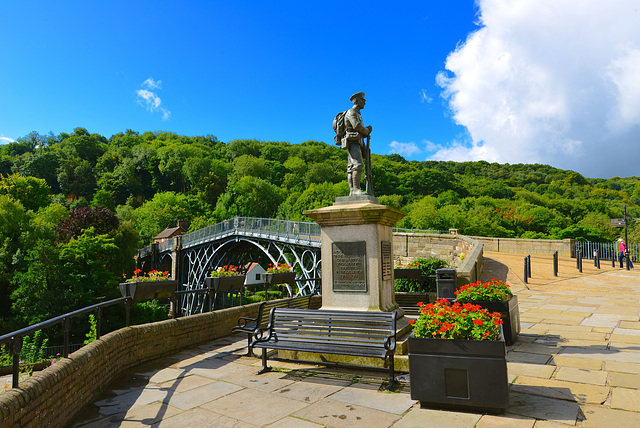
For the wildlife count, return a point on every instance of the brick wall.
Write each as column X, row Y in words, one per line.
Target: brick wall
column 55, row 395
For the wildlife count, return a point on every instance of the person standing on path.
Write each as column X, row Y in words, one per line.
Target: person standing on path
column 622, row 248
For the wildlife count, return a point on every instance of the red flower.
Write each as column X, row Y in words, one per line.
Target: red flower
column 478, row 322
column 412, row 321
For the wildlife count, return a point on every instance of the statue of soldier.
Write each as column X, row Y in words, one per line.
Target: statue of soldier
column 353, row 141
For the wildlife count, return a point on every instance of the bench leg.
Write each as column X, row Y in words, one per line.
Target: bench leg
column 249, row 350
column 391, row 373
column 264, row 362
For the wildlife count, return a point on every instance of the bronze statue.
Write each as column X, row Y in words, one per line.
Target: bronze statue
column 350, row 134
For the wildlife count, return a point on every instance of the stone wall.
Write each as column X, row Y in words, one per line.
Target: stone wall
column 409, row 246
column 55, row 395
column 538, row 247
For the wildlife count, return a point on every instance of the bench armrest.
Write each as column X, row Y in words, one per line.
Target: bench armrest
column 243, row 321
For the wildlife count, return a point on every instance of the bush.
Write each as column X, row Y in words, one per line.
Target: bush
column 428, row 268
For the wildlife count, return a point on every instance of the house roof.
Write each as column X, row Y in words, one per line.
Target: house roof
column 170, row 232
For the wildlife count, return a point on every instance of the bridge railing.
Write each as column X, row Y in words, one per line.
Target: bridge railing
column 265, row 227
column 299, row 231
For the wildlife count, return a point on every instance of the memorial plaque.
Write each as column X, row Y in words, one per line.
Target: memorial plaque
column 349, row 263
column 387, row 262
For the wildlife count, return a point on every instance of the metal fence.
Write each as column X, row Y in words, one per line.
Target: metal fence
column 606, row 250
column 299, row 231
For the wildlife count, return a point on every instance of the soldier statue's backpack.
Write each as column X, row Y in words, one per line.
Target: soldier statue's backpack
column 340, row 127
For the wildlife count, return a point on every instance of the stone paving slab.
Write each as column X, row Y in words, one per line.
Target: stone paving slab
column 598, row 417
column 580, row 363
column 533, row 406
column 418, row 417
column 338, row 414
column 625, row 399
column 532, row 370
column 137, row 416
column 254, row 407
column 201, row 418
column 506, row 421
column 625, row 380
column 552, row 388
column 626, row 367
column 198, row 396
column 370, row 396
column 312, row 389
column 573, row 374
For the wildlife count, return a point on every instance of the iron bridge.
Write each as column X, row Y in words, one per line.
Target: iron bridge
column 239, row 241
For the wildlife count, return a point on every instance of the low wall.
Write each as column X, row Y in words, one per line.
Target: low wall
column 538, row 247
column 409, row 246
column 55, row 395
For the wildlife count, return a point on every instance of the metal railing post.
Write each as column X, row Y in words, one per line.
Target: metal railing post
column 526, row 271
column 529, row 265
column 555, row 264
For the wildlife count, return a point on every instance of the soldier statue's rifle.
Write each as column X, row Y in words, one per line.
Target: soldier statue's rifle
column 369, row 187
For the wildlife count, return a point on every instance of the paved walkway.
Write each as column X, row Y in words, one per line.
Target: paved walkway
column 575, row 363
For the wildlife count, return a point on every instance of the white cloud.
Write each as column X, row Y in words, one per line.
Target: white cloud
column 404, row 149
column 150, row 99
column 424, row 96
column 152, row 84
column 6, row 140
column 549, row 81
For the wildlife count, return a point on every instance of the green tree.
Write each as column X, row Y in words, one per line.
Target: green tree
column 32, row 192
column 165, row 209
column 250, row 197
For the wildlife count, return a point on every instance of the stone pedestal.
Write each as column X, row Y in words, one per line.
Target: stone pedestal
column 357, row 254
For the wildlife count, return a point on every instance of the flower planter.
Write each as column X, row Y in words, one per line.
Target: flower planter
column 225, row 283
column 510, row 314
column 279, row 278
column 148, row 290
column 459, row 374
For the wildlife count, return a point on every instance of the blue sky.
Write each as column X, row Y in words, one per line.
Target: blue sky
column 530, row 81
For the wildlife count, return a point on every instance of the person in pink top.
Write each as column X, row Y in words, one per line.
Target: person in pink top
column 621, row 249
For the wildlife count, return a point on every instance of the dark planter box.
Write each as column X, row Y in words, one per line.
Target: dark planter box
column 149, row 290
column 510, row 314
column 459, row 374
column 407, row 274
column 279, row 278
column 225, row 283
column 409, row 302
column 288, row 278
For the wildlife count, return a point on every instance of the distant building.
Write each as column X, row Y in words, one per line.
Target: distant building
column 170, row 232
column 252, row 277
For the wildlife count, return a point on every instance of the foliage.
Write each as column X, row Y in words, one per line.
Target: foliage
column 100, row 218
column 428, row 268
column 149, row 311
column 226, row 270
column 32, row 192
column 92, row 335
column 154, row 275
column 458, row 321
column 278, row 268
column 490, row 291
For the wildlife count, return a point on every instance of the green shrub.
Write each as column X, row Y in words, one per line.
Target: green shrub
column 428, row 268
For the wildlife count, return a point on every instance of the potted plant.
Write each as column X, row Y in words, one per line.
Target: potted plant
column 153, row 285
column 457, row 358
column 280, row 273
column 413, row 283
column 225, row 278
column 495, row 296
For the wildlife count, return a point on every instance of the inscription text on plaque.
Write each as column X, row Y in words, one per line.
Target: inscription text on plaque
column 349, row 263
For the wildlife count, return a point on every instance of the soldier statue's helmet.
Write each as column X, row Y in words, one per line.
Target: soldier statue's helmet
column 357, row 95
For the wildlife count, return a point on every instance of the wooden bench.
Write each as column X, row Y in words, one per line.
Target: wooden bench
column 249, row 325
column 356, row 333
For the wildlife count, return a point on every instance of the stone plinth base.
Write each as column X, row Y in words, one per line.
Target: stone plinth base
column 357, row 254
